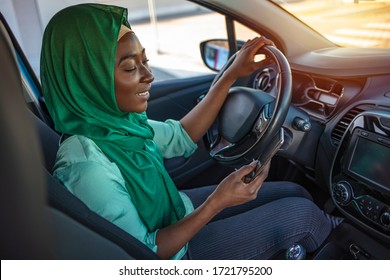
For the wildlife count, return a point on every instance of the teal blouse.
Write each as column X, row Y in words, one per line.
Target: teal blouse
column 86, row 172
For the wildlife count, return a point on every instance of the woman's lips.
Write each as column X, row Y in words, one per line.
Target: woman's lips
column 143, row 93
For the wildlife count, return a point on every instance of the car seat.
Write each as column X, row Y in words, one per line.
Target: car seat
column 40, row 218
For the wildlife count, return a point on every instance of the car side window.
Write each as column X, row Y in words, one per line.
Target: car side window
column 172, row 42
column 243, row 33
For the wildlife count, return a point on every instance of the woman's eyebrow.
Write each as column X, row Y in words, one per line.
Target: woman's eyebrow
column 130, row 55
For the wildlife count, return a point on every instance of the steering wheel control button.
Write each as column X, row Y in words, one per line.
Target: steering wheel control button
column 261, row 123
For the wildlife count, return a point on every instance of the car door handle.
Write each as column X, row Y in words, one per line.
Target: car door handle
column 200, row 98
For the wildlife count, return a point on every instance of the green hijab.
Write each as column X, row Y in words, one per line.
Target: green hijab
column 77, row 74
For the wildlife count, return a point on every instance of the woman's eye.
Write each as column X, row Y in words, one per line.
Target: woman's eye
column 145, row 61
column 130, row 69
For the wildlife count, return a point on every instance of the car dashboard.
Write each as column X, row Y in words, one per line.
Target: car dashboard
column 344, row 94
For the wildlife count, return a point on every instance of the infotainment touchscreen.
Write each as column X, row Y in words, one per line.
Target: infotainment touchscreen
column 371, row 162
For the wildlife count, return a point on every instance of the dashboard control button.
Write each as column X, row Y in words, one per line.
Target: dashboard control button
column 301, row 124
column 383, row 141
column 385, row 218
column 373, row 210
column 364, row 133
column 342, row 193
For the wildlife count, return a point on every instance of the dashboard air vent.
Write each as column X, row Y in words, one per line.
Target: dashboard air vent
column 342, row 125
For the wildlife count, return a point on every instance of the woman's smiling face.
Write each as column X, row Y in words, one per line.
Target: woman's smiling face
column 133, row 76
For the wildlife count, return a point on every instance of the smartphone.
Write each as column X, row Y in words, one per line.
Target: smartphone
column 264, row 158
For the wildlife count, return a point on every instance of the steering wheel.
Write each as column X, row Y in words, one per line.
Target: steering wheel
column 250, row 119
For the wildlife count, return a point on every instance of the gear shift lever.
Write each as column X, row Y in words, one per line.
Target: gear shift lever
column 296, row 252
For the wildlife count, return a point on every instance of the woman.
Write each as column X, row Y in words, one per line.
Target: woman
column 96, row 80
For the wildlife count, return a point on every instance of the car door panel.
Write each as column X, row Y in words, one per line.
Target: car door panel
column 175, row 98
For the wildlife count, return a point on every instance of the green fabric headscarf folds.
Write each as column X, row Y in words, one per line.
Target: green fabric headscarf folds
column 77, row 75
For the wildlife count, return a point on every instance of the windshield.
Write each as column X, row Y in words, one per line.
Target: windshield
column 348, row 23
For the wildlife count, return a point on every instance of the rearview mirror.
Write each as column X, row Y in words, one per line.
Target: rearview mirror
column 215, row 52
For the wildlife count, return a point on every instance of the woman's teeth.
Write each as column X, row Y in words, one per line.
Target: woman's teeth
column 143, row 93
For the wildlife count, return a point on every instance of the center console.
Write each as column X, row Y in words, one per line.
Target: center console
column 360, row 177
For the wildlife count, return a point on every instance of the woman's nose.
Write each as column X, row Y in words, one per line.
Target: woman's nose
column 147, row 75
